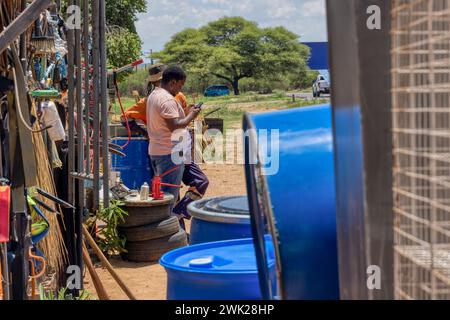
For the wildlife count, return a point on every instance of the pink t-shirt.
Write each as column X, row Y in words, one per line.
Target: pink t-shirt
column 161, row 105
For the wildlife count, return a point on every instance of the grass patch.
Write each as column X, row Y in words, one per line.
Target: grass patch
column 126, row 102
column 231, row 111
column 232, row 116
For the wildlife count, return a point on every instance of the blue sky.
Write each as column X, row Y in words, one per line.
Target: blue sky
column 167, row 17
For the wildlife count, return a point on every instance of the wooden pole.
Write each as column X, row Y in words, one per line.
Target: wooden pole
column 101, row 292
column 106, row 263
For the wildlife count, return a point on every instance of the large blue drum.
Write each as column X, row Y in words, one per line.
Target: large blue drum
column 135, row 167
column 220, row 218
column 224, row 270
column 291, row 187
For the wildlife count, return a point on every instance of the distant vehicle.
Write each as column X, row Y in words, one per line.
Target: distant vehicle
column 216, row 91
column 321, row 85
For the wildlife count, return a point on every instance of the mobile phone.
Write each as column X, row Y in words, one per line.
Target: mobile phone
column 199, row 106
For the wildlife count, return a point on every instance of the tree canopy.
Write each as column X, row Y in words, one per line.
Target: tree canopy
column 122, row 13
column 122, row 42
column 233, row 48
column 122, row 47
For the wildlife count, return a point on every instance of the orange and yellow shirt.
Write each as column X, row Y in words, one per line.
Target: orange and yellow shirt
column 139, row 110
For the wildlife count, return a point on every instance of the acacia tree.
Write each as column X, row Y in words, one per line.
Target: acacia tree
column 233, row 48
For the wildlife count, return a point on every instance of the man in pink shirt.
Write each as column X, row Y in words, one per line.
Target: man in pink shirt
column 166, row 126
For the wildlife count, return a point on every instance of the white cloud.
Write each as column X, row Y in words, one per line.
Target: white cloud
column 167, row 17
column 313, row 8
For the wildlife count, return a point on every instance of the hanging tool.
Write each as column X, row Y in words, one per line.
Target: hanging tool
column 47, row 195
column 45, row 206
column 39, row 230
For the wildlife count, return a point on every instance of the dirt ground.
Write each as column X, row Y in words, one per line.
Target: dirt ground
column 148, row 281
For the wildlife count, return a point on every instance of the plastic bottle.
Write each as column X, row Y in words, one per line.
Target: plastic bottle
column 144, row 192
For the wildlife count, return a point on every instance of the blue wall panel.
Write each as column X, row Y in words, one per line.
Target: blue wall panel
column 319, row 55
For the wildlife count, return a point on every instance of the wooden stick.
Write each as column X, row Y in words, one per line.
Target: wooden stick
column 101, row 292
column 106, row 263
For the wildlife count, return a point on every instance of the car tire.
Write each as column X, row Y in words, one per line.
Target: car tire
column 144, row 215
column 153, row 250
column 318, row 94
column 152, row 231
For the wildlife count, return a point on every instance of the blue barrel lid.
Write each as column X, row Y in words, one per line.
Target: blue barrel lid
column 229, row 209
column 231, row 256
column 234, row 205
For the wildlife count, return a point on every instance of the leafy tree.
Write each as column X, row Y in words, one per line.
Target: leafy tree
column 122, row 47
column 233, row 48
column 123, row 13
column 122, row 42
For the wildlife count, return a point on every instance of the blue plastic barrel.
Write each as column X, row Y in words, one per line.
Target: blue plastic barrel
column 293, row 189
column 220, row 218
column 223, row 270
column 135, row 167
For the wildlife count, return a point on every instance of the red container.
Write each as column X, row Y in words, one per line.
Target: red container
column 5, row 193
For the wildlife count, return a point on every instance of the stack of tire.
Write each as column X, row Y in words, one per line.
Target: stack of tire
column 150, row 230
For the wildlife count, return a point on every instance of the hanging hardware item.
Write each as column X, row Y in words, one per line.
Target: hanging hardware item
column 42, row 37
column 47, row 195
column 20, row 92
column 22, row 22
column 39, row 230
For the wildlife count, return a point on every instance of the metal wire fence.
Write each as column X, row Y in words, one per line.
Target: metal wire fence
column 421, row 133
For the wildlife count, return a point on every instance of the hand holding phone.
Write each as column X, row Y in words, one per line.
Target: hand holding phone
column 199, row 106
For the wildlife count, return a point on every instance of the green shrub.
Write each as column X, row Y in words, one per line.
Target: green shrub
column 136, row 81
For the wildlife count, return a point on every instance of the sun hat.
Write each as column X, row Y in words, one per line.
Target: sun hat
column 156, row 72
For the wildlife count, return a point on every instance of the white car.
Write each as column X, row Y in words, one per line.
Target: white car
column 320, row 85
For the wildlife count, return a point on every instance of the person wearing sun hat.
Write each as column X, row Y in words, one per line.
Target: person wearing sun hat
column 137, row 114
